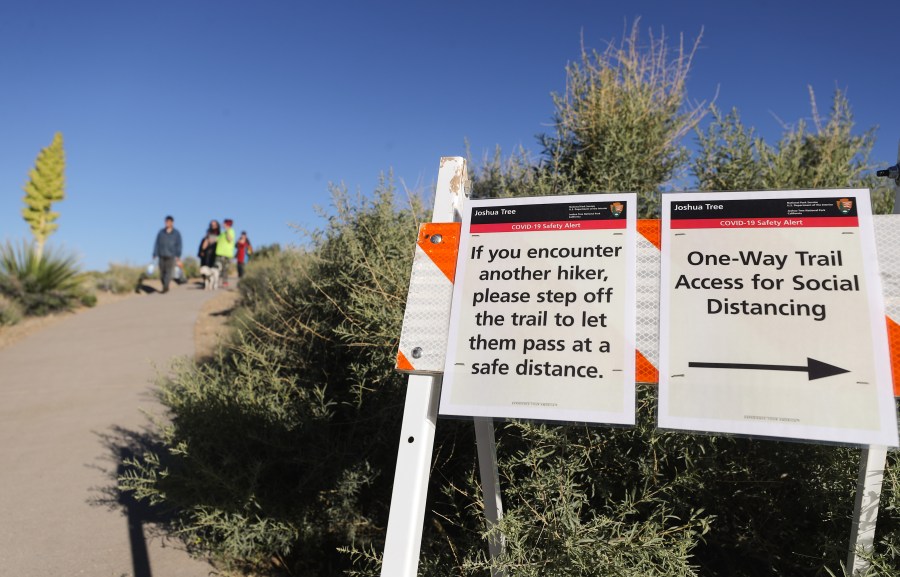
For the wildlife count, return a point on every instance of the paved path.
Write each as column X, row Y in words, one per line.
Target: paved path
column 66, row 393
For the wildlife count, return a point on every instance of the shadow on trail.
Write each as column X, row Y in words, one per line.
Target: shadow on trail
column 223, row 313
column 143, row 519
column 143, row 288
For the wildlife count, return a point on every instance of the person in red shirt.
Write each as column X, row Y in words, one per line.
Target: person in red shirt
column 244, row 250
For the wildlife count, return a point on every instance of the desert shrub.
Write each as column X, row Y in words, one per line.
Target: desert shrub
column 10, row 311
column 269, row 272
column 579, row 500
column 731, row 157
column 42, row 285
column 640, row 501
column 266, row 251
column 191, row 267
column 118, row 278
column 618, row 127
column 885, row 558
column 87, row 298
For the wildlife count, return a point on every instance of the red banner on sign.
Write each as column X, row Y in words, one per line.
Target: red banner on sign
column 799, row 222
column 547, row 226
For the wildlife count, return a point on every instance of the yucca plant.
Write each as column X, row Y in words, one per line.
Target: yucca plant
column 46, row 185
column 41, row 284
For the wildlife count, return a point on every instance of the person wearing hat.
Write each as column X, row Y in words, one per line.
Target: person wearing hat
column 225, row 249
column 168, row 250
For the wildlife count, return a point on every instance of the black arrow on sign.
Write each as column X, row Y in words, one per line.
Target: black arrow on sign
column 815, row 369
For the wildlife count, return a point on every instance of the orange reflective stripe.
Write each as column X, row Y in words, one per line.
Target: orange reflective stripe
column 893, row 333
column 649, row 228
column 403, row 363
column 442, row 254
column 644, row 371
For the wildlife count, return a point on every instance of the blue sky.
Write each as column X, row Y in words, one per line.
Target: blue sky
column 248, row 109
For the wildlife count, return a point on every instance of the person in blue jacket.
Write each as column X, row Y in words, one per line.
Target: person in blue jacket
column 168, row 250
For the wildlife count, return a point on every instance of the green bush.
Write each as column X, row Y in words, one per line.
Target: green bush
column 603, row 502
column 118, row 278
column 10, row 312
column 191, row 267
column 265, row 251
column 42, row 285
column 885, row 558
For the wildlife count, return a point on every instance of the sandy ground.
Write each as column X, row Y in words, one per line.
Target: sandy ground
column 30, row 325
column 75, row 396
column 76, row 390
column 211, row 326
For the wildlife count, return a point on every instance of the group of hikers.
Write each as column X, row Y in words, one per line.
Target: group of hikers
column 217, row 249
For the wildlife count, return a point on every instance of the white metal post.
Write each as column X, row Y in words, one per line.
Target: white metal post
column 407, row 515
column 865, row 510
column 490, row 485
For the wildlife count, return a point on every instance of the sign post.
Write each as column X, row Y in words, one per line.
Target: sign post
column 490, row 485
column 865, row 508
column 407, row 515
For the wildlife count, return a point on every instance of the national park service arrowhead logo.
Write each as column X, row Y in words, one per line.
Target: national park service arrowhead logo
column 616, row 208
column 845, row 205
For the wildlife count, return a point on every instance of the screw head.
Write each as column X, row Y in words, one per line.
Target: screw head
column 417, row 353
column 436, row 239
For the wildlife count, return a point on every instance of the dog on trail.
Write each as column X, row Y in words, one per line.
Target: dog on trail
column 210, row 276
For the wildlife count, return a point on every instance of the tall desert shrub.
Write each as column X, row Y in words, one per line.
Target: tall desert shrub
column 830, row 154
column 617, row 127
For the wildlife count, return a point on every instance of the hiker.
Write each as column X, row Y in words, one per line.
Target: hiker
column 168, row 249
column 207, row 251
column 225, row 249
column 244, row 250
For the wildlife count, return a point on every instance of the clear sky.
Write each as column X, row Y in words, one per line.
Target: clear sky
column 249, row 109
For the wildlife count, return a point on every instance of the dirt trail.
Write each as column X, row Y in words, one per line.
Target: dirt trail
column 71, row 396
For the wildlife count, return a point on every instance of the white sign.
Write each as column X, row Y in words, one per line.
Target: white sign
column 542, row 321
column 771, row 317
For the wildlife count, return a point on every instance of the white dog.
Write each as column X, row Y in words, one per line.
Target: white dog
column 210, row 276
